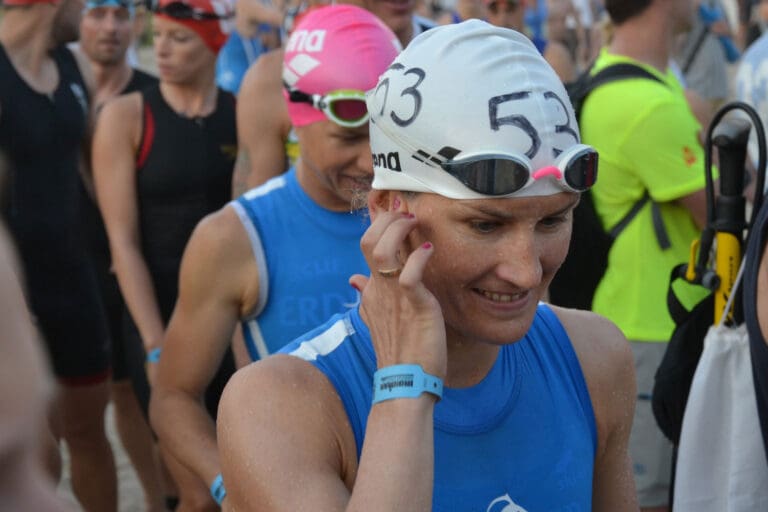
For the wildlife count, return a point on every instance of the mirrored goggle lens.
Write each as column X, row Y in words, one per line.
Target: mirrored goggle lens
column 581, row 172
column 349, row 110
column 490, row 176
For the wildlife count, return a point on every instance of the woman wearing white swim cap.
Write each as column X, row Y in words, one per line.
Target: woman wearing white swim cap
column 451, row 387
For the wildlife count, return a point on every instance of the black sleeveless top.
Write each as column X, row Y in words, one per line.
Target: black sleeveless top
column 41, row 136
column 97, row 234
column 758, row 349
column 184, row 172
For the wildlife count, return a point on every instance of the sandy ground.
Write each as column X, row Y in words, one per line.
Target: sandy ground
column 130, row 494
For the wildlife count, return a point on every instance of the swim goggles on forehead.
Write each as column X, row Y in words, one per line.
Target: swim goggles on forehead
column 124, row 4
column 344, row 107
column 500, row 174
column 183, row 11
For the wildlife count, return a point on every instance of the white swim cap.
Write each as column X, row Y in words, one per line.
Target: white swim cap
column 467, row 89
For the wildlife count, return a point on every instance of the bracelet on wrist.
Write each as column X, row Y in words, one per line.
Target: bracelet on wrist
column 153, row 356
column 404, row 381
column 218, row 492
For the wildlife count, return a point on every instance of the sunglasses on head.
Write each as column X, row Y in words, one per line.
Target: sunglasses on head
column 498, row 174
column 344, row 107
column 182, row 11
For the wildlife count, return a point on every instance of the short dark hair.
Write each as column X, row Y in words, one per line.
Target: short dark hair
column 622, row 10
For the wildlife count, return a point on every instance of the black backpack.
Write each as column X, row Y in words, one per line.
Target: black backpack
column 575, row 283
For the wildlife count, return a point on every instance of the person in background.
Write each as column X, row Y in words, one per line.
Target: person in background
column 506, row 13
column 451, row 386
column 648, row 141
column 106, row 33
column 45, row 111
column 25, row 486
column 464, row 10
column 276, row 260
column 268, row 144
column 256, row 25
column 162, row 160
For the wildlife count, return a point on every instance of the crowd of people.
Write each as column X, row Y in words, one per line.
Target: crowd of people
column 306, row 253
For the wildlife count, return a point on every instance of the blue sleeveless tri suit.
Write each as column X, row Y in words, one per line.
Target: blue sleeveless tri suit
column 305, row 255
column 522, row 440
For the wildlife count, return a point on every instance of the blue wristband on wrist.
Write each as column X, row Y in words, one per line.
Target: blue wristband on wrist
column 217, row 489
column 404, row 381
column 153, row 356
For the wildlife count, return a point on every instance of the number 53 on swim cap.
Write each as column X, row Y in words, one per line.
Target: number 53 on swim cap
column 472, row 111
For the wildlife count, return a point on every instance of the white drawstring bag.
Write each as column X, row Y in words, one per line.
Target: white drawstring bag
column 721, row 464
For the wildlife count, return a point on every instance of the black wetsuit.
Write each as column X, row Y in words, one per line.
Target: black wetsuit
column 127, row 359
column 41, row 136
column 184, row 172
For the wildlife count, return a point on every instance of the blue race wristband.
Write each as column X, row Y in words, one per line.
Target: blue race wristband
column 404, row 381
column 217, row 489
column 153, row 356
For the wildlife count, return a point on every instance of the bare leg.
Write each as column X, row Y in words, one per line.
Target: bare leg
column 139, row 444
column 92, row 464
column 194, row 495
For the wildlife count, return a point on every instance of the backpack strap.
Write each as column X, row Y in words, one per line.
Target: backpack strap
column 606, row 75
column 615, row 72
column 662, row 238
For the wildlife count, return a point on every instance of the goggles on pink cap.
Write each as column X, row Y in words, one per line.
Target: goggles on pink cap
column 344, row 107
column 335, row 54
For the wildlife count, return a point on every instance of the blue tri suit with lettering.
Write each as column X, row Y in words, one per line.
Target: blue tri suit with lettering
column 305, row 255
column 522, row 440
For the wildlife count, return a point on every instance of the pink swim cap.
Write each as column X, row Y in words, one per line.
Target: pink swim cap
column 335, row 47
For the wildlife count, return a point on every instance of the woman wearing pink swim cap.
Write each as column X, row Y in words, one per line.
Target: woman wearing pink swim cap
column 276, row 260
column 162, row 160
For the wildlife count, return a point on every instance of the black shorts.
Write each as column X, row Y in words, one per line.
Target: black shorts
column 68, row 312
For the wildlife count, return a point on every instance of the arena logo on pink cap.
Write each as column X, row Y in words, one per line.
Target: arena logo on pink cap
column 334, row 51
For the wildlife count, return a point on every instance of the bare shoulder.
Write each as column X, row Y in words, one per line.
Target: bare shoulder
column 606, row 361
column 122, row 115
column 219, row 253
column 282, row 416
column 261, row 97
column 264, row 75
column 590, row 332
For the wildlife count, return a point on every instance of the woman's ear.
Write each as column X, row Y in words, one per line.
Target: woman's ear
column 385, row 201
column 378, row 201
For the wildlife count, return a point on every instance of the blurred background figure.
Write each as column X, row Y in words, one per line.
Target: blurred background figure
column 257, row 30
column 703, row 55
column 107, row 32
column 27, row 391
column 506, row 13
column 45, row 95
column 463, row 10
column 162, row 160
column 647, row 137
column 751, row 83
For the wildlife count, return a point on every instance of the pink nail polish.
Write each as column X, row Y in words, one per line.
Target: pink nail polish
column 396, row 203
column 427, row 245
